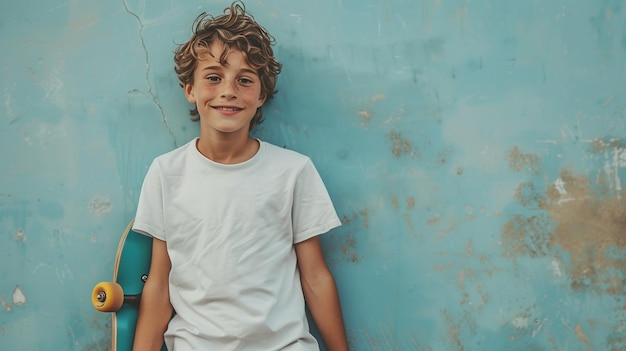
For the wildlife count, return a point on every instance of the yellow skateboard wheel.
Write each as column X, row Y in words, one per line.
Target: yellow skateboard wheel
column 107, row 297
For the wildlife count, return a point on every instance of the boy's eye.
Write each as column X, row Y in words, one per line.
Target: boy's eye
column 213, row 78
column 245, row 81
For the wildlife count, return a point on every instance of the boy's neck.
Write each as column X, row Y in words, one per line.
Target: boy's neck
column 226, row 149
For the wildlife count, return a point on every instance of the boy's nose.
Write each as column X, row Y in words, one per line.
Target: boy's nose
column 229, row 90
column 228, row 96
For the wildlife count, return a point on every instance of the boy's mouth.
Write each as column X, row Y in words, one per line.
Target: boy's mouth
column 226, row 108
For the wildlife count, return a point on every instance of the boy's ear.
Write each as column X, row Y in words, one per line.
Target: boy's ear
column 189, row 94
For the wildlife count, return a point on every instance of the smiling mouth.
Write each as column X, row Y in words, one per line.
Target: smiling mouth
column 222, row 108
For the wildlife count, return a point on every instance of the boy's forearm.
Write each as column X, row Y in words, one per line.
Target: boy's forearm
column 154, row 315
column 325, row 307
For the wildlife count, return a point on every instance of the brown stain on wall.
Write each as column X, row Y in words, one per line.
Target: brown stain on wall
column 526, row 236
column 589, row 227
column 444, row 155
column 453, row 331
column 394, row 201
column 409, row 222
column 348, row 244
column 386, row 337
column 366, row 116
column 520, row 161
column 469, row 248
column 600, row 146
column 401, row 146
column 582, row 336
column 348, row 248
column 409, row 205
column 410, row 202
column 343, row 248
column 6, row 306
column 366, row 113
column 616, row 343
column 585, row 222
column 434, row 220
column 528, row 195
column 347, row 220
column 468, row 281
column 364, row 215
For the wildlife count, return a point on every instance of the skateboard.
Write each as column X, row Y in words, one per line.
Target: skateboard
column 121, row 296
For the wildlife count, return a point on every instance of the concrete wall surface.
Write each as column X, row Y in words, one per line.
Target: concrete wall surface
column 474, row 150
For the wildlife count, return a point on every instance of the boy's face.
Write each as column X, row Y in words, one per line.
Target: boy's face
column 227, row 96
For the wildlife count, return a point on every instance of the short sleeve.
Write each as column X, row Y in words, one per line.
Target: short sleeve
column 149, row 219
column 313, row 211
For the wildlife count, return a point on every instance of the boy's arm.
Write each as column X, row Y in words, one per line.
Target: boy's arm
column 320, row 293
column 155, row 310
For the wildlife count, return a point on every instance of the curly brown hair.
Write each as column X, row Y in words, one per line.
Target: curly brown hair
column 238, row 30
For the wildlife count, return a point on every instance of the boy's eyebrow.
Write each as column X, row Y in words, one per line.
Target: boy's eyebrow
column 219, row 67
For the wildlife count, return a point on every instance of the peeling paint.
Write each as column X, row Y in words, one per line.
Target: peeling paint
column 614, row 157
column 19, row 235
column 559, row 186
column 600, row 146
column 378, row 97
column 100, row 205
column 18, row 297
column 555, row 265
column 588, row 227
column 6, row 306
column 520, row 322
column 540, row 324
column 366, row 116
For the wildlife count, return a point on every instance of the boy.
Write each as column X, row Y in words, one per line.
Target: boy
column 234, row 220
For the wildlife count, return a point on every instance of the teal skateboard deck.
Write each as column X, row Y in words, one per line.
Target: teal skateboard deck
column 121, row 297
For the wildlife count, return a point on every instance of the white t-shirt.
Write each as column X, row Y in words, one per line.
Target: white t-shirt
column 230, row 231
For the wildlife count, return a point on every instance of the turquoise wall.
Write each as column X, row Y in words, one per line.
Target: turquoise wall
column 474, row 149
